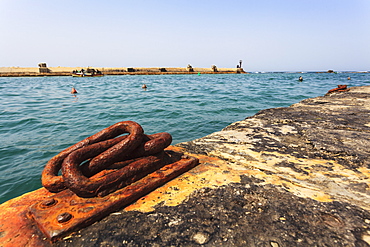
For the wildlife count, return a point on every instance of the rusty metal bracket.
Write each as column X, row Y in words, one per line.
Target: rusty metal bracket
column 65, row 212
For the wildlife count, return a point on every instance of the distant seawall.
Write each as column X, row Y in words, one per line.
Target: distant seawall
column 66, row 71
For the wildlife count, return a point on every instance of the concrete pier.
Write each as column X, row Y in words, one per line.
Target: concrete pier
column 66, row 71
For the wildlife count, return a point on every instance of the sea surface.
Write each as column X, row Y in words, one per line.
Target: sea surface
column 39, row 117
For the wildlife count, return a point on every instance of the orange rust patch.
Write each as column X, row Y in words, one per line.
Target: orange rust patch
column 15, row 227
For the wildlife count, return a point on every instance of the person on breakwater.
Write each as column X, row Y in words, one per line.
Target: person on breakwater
column 300, row 78
column 73, row 91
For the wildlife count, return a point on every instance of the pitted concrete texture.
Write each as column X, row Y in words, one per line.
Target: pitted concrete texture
column 318, row 148
column 294, row 176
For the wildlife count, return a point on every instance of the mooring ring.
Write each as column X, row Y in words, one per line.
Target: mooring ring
column 83, row 186
column 54, row 183
column 151, row 144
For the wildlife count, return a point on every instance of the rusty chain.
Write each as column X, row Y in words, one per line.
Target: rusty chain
column 106, row 161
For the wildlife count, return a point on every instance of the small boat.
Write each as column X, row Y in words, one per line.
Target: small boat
column 80, row 74
column 87, row 73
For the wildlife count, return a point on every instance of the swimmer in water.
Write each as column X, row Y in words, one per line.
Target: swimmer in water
column 300, row 78
column 73, row 91
column 349, row 78
column 144, row 86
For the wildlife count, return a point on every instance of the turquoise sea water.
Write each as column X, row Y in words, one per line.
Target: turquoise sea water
column 39, row 116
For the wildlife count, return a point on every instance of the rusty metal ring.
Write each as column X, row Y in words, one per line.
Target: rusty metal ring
column 55, row 183
column 83, row 186
column 151, row 144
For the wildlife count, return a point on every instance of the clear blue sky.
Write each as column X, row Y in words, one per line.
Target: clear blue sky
column 268, row 35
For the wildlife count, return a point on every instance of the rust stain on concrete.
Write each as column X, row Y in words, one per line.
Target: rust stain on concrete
column 211, row 172
column 309, row 178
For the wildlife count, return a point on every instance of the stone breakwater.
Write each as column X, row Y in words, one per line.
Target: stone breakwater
column 292, row 176
column 66, row 71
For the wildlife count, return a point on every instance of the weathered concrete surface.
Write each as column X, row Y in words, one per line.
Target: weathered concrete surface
column 295, row 176
column 321, row 144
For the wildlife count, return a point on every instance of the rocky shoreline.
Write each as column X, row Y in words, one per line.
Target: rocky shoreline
column 292, row 176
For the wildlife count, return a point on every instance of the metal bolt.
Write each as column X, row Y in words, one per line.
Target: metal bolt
column 64, row 217
column 48, row 203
